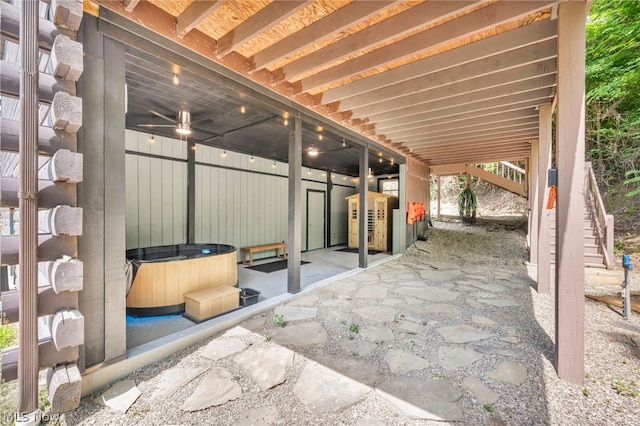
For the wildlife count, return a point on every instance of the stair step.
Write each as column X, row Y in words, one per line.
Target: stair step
column 588, row 248
column 589, row 234
column 595, row 258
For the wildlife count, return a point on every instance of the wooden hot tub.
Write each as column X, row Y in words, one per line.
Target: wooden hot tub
column 164, row 274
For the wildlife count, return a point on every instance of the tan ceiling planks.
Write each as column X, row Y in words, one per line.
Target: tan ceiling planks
column 329, row 25
column 448, row 59
column 441, row 35
column 261, row 21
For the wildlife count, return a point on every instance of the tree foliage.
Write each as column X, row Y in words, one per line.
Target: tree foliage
column 613, row 89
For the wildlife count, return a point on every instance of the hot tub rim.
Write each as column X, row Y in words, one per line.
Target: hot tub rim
column 176, row 249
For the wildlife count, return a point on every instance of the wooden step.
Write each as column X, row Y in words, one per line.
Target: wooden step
column 588, row 248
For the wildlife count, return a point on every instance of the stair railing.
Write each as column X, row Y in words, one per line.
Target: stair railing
column 506, row 170
column 604, row 221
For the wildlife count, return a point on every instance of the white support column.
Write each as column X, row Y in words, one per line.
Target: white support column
column 534, row 201
column 570, row 151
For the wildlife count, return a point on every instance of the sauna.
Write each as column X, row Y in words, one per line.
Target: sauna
column 379, row 213
column 161, row 276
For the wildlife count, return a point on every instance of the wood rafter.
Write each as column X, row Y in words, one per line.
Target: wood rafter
column 402, row 74
column 462, row 123
column 324, row 28
column 195, row 13
column 447, row 33
column 257, row 24
column 504, row 42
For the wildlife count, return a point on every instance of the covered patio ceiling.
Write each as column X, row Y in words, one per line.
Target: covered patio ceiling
column 441, row 81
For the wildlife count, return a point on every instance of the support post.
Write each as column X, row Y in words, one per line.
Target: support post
column 28, row 204
column 295, row 208
column 570, row 192
column 545, row 113
column 327, row 213
column 439, row 189
column 102, row 196
column 363, row 240
column 532, row 193
column 191, row 192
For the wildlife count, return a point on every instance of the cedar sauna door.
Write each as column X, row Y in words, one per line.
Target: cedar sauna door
column 354, row 212
column 315, row 219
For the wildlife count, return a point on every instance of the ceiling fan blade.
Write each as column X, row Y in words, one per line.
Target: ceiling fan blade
column 209, row 132
column 215, row 136
column 162, row 116
column 156, row 125
column 201, row 121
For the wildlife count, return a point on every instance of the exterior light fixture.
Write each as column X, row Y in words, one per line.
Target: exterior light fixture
column 184, row 123
column 313, row 152
column 251, row 159
column 176, row 81
column 243, row 109
column 151, row 139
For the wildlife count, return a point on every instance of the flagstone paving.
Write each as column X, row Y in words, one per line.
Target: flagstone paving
column 419, row 338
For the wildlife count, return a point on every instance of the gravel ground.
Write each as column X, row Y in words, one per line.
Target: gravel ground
column 609, row 395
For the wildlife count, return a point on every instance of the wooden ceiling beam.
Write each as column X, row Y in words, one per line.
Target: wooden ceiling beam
column 403, row 23
column 488, row 82
column 522, row 148
column 435, row 125
column 129, row 5
column 469, row 96
column 330, row 25
column 477, row 156
column 258, row 23
column 488, row 157
column 504, row 42
column 467, row 112
column 475, row 142
column 459, row 130
column 472, row 23
column 470, row 137
column 195, row 13
column 480, row 71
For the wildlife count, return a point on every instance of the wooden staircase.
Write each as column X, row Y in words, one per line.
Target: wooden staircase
column 594, row 256
column 598, row 225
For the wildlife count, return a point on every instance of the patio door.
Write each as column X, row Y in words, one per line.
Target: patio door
column 316, row 207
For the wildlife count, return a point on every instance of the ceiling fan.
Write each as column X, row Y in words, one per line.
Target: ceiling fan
column 182, row 123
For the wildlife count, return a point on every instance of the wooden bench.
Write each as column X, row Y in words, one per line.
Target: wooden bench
column 205, row 304
column 262, row 247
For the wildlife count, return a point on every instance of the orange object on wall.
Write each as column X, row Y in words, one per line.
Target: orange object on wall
column 552, row 197
column 411, row 214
